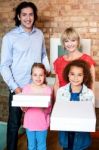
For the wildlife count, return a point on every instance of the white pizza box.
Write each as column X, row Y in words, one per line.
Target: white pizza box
column 23, row 100
column 73, row 116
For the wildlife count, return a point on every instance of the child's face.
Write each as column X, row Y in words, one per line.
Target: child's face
column 76, row 76
column 71, row 45
column 38, row 76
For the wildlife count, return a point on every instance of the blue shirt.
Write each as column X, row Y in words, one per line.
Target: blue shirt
column 74, row 97
column 19, row 51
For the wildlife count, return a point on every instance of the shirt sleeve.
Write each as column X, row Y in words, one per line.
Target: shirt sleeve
column 93, row 97
column 89, row 60
column 45, row 61
column 44, row 58
column 6, row 61
column 56, row 65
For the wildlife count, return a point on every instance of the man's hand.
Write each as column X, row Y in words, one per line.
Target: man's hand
column 18, row 90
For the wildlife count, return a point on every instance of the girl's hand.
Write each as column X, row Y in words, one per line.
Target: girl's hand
column 24, row 109
column 43, row 109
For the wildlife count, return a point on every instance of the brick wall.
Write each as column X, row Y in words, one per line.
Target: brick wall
column 54, row 17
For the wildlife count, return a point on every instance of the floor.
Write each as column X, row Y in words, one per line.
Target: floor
column 3, row 129
column 52, row 142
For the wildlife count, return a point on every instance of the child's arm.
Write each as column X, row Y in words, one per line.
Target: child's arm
column 24, row 91
column 56, row 85
column 24, row 109
column 92, row 69
column 49, row 108
column 93, row 98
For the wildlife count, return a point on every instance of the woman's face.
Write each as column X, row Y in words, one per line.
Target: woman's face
column 71, row 45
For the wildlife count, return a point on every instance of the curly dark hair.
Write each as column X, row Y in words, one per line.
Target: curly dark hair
column 87, row 80
column 25, row 5
column 39, row 65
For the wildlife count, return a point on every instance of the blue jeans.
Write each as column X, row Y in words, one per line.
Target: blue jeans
column 70, row 141
column 36, row 139
column 70, row 149
column 14, row 122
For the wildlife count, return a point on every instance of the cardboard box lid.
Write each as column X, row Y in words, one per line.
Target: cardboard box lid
column 24, row 100
column 73, row 116
column 73, row 109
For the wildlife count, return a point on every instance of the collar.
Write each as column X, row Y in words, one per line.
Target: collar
column 21, row 30
column 83, row 90
column 70, row 90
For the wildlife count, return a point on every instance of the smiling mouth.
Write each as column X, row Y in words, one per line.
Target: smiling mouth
column 75, row 81
column 71, row 47
column 28, row 22
column 38, row 81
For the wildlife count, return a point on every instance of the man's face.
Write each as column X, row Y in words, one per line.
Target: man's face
column 26, row 18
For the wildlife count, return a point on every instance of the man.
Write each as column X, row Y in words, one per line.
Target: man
column 21, row 47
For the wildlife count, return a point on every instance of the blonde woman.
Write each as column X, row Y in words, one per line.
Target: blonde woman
column 71, row 42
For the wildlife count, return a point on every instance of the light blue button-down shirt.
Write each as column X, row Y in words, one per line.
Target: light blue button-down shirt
column 19, row 51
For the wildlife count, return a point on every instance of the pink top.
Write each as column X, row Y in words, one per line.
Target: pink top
column 36, row 119
column 60, row 63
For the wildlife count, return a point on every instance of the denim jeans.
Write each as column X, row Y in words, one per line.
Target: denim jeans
column 70, row 149
column 66, row 149
column 14, row 122
column 70, row 141
column 36, row 139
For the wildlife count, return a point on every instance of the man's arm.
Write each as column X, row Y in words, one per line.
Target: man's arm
column 6, row 62
column 45, row 60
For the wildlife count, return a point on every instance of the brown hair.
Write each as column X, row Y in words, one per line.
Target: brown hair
column 70, row 34
column 25, row 5
column 40, row 65
column 87, row 80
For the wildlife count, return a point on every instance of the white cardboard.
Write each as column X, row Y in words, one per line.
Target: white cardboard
column 21, row 100
column 73, row 116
